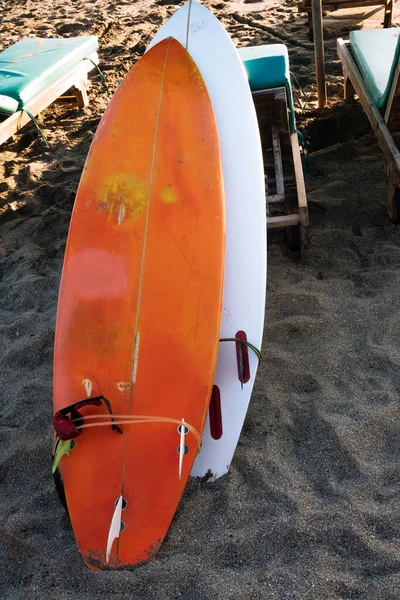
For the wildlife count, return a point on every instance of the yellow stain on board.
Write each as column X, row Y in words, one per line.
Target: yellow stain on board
column 169, row 195
column 124, row 197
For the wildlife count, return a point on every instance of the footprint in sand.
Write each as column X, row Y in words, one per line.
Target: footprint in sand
column 69, row 27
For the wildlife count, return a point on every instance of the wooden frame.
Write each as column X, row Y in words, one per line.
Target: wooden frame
column 333, row 5
column 76, row 77
column 386, row 127
column 285, row 189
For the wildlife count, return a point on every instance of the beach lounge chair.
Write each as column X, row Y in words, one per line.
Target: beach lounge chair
column 371, row 68
column 269, row 78
column 35, row 72
column 332, row 5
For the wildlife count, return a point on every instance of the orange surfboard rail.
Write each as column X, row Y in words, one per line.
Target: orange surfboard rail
column 139, row 309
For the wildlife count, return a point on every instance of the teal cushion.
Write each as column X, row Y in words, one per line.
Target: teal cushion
column 31, row 65
column 376, row 52
column 267, row 66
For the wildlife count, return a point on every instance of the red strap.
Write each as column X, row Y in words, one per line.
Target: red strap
column 242, row 356
column 215, row 413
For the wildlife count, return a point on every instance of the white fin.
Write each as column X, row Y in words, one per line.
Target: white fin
column 114, row 527
column 181, row 448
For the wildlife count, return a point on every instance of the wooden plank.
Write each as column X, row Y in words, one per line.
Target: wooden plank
column 282, row 121
column 73, row 78
column 276, row 147
column 272, row 114
column 392, row 107
column 319, row 51
column 271, row 104
column 275, row 198
column 298, row 173
column 378, row 124
column 283, row 221
column 286, row 179
column 334, row 5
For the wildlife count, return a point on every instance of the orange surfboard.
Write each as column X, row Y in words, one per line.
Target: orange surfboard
column 139, row 310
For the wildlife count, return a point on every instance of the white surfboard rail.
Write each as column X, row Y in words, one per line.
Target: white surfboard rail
column 218, row 61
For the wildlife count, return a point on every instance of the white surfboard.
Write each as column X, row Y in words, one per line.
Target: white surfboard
column 217, row 59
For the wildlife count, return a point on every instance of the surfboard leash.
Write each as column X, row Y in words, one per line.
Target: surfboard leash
column 36, row 124
column 244, row 343
column 69, row 423
column 102, row 76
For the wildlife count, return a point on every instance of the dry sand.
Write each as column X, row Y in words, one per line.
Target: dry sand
column 310, row 509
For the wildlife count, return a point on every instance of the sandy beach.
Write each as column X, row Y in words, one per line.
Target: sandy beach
column 310, row 509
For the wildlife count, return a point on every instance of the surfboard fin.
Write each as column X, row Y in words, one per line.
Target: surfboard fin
column 115, row 527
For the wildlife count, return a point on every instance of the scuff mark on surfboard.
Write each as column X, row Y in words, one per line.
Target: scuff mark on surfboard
column 198, row 26
column 123, row 386
column 169, row 195
column 121, row 214
column 125, row 196
column 109, row 278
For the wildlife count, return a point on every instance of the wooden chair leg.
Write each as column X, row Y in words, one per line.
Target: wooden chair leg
column 349, row 92
column 295, row 237
column 310, row 27
column 387, row 21
column 81, row 95
column 394, row 199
